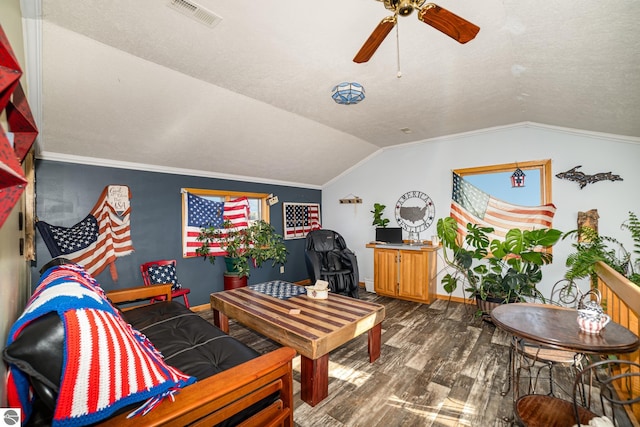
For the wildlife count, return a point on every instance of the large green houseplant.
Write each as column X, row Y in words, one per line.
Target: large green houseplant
column 591, row 248
column 495, row 270
column 256, row 244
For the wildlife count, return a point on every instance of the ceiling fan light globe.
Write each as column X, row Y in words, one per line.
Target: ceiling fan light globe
column 391, row 4
column 405, row 8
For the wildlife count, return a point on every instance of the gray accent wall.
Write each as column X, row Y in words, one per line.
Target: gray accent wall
column 66, row 193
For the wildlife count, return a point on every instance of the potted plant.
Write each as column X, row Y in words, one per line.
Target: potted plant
column 378, row 212
column 591, row 248
column 495, row 271
column 257, row 243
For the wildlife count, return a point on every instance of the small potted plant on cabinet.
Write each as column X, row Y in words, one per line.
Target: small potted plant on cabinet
column 257, row 243
column 495, row 271
column 378, row 212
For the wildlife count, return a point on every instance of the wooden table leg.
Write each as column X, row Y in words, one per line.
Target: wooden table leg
column 374, row 342
column 221, row 321
column 314, row 379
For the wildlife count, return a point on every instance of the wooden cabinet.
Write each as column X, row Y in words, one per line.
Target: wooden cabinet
column 385, row 271
column 406, row 272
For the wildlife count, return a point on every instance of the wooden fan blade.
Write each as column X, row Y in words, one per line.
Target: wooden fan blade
column 449, row 23
column 375, row 39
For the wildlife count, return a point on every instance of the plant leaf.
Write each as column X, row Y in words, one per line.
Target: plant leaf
column 449, row 283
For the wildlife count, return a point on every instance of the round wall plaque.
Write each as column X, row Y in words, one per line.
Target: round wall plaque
column 415, row 211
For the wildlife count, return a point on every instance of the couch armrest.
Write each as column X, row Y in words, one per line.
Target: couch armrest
column 214, row 399
column 139, row 293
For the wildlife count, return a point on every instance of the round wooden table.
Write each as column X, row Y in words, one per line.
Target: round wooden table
column 554, row 327
column 557, row 327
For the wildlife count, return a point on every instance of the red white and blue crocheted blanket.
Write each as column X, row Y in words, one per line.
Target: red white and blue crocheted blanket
column 107, row 364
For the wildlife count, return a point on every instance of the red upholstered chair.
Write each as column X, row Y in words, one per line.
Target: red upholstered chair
column 164, row 271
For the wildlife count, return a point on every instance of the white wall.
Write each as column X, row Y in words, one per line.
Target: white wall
column 427, row 167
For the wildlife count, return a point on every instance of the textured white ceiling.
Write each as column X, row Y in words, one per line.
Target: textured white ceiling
column 136, row 81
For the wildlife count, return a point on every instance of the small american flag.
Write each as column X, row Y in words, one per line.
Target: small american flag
column 97, row 240
column 471, row 205
column 201, row 212
column 300, row 219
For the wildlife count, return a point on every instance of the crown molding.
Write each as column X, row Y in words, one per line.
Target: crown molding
column 519, row 125
column 356, row 166
column 585, row 133
column 522, row 125
column 93, row 161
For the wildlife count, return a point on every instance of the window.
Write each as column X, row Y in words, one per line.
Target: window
column 258, row 210
column 494, row 180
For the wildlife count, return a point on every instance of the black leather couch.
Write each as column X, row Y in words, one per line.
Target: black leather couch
column 187, row 341
column 234, row 383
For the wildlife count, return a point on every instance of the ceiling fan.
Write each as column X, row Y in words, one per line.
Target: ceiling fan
column 439, row 18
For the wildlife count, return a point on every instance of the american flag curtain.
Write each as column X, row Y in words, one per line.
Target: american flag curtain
column 100, row 238
column 471, row 205
column 200, row 212
column 300, row 219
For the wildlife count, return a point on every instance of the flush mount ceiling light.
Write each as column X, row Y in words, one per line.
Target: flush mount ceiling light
column 348, row 93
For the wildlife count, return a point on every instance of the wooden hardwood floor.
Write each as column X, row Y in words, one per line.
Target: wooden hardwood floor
column 440, row 366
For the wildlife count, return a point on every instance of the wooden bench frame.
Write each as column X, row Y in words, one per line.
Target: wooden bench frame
column 215, row 399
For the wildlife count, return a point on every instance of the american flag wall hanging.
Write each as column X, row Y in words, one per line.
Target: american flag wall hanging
column 101, row 237
column 470, row 204
column 300, row 219
column 201, row 212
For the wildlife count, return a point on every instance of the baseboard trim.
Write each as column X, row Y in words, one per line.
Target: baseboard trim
column 306, row 282
column 455, row 299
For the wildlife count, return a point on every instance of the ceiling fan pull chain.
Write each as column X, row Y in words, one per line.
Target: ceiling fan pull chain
column 399, row 74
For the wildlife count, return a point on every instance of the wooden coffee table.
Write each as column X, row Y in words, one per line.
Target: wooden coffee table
column 319, row 327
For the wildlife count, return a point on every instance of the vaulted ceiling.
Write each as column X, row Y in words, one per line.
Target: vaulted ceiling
column 138, row 82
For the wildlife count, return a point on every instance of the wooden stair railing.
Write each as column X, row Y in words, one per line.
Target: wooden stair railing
column 621, row 301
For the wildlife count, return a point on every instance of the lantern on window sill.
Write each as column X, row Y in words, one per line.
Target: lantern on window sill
column 517, row 179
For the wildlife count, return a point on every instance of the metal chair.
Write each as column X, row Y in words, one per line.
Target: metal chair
column 534, row 358
column 602, row 389
column 161, row 272
column 564, row 293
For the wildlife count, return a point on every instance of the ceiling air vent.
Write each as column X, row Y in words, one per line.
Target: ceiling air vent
column 196, row 12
